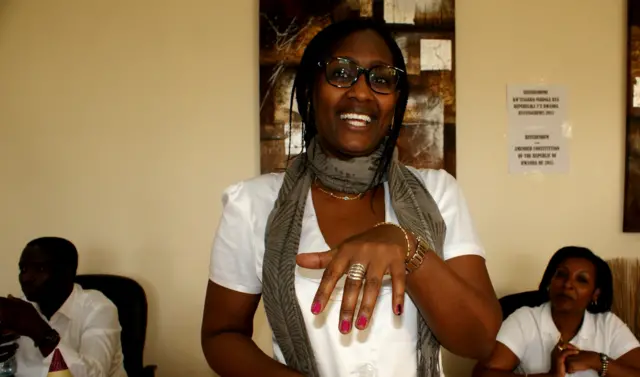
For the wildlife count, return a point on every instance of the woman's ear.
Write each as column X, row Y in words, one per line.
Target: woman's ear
column 595, row 296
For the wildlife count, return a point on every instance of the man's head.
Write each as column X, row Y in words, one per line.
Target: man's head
column 47, row 268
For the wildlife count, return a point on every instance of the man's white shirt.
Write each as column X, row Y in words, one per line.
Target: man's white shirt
column 89, row 339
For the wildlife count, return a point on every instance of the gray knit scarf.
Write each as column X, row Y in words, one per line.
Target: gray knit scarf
column 415, row 209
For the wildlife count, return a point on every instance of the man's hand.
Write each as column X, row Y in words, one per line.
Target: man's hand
column 8, row 347
column 21, row 318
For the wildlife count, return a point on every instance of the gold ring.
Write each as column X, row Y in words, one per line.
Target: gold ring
column 561, row 348
column 356, row 271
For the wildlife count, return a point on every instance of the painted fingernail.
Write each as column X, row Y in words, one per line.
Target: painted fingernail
column 399, row 309
column 315, row 307
column 345, row 326
column 361, row 322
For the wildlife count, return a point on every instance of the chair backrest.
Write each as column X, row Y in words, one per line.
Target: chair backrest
column 626, row 291
column 513, row 302
column 130, row 299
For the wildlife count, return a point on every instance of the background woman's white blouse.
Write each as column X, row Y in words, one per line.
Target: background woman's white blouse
column 388, row 346
column 531, row 334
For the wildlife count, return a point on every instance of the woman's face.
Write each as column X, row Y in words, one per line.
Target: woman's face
column 573, row 286
column 353, row 121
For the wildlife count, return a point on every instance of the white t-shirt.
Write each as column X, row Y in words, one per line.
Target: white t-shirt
column 531, row 334
column 388, row 346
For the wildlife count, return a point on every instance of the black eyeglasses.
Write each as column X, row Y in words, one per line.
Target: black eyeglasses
column 343, row 73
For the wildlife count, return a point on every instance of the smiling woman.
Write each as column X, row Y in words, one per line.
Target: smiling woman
column 354, row 124
column 366, row 266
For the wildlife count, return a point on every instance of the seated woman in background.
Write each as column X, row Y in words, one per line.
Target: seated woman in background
column 574, row 333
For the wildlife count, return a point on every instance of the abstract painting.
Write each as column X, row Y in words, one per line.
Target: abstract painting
column 424, row 30
column 631, row 222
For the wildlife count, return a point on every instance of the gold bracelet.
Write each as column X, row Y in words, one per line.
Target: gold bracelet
column 417, row 258
column 406, row 237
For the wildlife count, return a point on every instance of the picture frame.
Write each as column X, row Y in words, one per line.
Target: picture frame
column 631, row 216
column 425, row 32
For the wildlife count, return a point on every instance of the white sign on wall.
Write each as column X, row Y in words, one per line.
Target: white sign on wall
column 538, row 140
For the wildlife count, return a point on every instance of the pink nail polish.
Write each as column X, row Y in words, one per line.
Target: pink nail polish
column 399, row 309
column 315, row 307
column 362, row 322
column 345, row 326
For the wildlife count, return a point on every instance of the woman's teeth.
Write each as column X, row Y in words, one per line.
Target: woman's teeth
column 356, row 120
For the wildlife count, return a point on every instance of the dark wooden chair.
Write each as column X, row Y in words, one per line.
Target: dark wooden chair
column 130, row 299
column 513, row 302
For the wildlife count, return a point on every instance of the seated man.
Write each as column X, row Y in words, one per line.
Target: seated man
column 57, row 313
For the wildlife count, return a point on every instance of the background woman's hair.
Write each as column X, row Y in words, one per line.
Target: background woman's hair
column 319, row 49
column 604, row 280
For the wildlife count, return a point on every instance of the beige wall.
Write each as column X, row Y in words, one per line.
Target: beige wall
column 121, row 122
